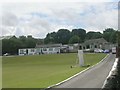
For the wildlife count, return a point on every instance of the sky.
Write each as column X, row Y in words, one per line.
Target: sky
column 37, row 18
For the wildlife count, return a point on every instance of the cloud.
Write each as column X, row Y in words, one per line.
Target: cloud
column 7, row 1
column 38, row 19
column 9, row 19
column 36, row 26
column 8, row 24
column 7, row 30
column 103, row 17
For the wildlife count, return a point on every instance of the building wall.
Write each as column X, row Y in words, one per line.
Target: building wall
column 34, row 51
column 51, row 50
column 97, row 45
column 22, row 52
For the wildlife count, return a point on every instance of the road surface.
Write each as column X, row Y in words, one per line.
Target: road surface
column 92, row 78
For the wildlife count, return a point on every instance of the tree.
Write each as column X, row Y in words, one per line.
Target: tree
column 113, row 37
column 23, row 40
column 118, row 48
column 51, row 38
column 30, row 42
column 63, row 36
column 118, row 38
column 40, row 41
column 11, row 45
column 79, row 32
column 0, row 47
column 74, row 39
column 110, row 35
column 93, row 35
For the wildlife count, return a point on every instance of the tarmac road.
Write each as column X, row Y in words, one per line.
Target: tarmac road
column 92, row 78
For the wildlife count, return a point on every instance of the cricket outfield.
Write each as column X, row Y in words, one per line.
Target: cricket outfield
column 41, row 71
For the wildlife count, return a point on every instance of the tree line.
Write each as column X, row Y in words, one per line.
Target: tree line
column 63, row 36
column 12, row 45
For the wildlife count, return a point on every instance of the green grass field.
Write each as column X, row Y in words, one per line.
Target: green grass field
column 41, row 71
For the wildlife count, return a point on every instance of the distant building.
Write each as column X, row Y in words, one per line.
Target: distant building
column 100, row 43
column 49, row 48
column 22, row 51
column 92, row 44
column 41, row 49
column 73, row 47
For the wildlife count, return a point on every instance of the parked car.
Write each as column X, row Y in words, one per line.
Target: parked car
column 87, row 50
column 98, row 50
column 6, row 54
column 106, row 51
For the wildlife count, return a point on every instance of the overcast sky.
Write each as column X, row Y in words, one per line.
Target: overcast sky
column 37, row 18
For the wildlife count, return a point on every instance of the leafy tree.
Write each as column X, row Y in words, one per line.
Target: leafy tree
column 118, row 36
column 63, row 36
column 30, row 42
column 51, row 38
column 0, row 47
column 110, row 35
column 40, row 41
column 23, row 40
column 93, row 35
column 113, row 37
column 79, row 32
column 5, row 46
column 11, row 45
column 74, row 39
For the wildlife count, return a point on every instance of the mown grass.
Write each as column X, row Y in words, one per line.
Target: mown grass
column 41, row 71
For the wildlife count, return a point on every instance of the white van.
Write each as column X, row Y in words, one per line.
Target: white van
column 113, row 50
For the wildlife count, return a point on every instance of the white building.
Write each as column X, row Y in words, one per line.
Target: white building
column 22, row 51
column 49, row 48
column 41, row 49
column 32, row 51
